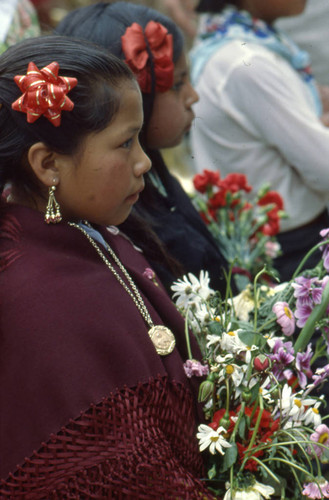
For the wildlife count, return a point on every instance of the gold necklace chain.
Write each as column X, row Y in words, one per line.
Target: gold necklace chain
column 162, row 338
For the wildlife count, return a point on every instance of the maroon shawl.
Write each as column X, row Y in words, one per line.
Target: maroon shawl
column 82, row 388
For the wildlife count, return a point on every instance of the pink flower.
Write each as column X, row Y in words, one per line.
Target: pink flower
column 321, row 435
column 313, row 490
column 150, row 274
column 272, row 249
column 285, row 317
column 193, row 367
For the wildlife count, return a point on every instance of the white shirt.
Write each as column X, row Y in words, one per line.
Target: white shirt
column 256, row 116
column 310, row 31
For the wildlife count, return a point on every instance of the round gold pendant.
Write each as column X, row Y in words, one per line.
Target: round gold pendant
column 163, row 339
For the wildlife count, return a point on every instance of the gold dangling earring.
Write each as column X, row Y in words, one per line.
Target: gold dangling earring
column 53, row 214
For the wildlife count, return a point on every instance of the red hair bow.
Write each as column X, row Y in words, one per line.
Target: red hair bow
column 135, row 42
column 44, row 93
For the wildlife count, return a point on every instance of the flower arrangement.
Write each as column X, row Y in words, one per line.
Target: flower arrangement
column 265, row 363
column 244, row 227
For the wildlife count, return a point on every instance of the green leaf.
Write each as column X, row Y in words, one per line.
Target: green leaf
column 254, row 392
column 215, row 328
column 212, row 472
column 229, row 457
column 250, row 338
column 242, row 428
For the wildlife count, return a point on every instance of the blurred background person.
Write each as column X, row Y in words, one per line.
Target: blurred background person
column 260, row 114
column 18, row 20
column 310, row 31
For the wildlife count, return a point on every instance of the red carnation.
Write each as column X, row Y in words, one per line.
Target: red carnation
column 203, row 181
column 235, row 183
column 218, row 200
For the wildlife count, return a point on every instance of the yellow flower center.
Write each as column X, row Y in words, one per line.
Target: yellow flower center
column 214, row 438
column 315, row 410
column 217, row 319
column 297, row 403
column 231, row 333
column 287, row 312
column 229, row 369
column 323, row 438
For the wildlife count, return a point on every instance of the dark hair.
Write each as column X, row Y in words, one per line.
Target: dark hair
column 105, row 23
column 96, row 100
column 214, row 5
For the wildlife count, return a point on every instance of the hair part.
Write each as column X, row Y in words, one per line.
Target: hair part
column 96, row 101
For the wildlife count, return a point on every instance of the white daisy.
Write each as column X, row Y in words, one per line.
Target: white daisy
column 294, row 405
column 231, row 343
column 257, row 491
column 208, row 437
column 190, row 290
column 312, row 415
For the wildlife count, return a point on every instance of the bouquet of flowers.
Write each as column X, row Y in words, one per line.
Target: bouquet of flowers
column 244, row 227
column 265, row 363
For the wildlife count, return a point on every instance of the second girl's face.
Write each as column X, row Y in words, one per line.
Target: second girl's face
column 270, row 10
column 172, row 114
column 103, row 180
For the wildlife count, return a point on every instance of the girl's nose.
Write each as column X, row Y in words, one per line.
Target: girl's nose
column 143, row 163
column 192, row 96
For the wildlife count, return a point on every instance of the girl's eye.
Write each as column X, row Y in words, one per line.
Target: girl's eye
column 177, row 86
column 127, row 144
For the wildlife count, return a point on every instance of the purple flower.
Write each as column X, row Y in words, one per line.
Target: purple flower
column 320, row 375
column 303, row 366
column 325, row 248
column 283, row 355
column 195, row 368
column 285, row 317
column 303, row 287
column 302, row 314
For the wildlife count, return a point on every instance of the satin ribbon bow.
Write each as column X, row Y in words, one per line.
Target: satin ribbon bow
column 44, row 93
column 137, row 46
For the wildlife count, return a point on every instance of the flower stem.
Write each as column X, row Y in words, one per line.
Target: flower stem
column 254, row 434
column 256, row 296
column 307, row 256
column 187, row 336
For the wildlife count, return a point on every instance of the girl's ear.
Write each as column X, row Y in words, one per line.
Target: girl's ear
column 42, row 160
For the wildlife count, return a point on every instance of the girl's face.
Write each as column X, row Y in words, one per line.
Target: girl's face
column 172, row 114
column 270, row 10
column 103, row 180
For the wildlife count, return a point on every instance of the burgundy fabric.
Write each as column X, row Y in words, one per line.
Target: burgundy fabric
column 70, row 334
column 135, row 444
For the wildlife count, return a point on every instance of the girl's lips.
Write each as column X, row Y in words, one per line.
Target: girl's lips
column 134, row 197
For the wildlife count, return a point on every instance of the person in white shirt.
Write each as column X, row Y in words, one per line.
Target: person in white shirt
column 259, row 114
column 310, row 31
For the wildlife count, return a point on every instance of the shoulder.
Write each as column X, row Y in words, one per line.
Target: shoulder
column 240, row 67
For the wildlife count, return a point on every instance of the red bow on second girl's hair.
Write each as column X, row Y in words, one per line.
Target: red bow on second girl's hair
column 44, row 93
column 135, row 45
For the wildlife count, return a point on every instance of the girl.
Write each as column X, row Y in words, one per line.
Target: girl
column 259, row 114
column 152, row 45
column 94, row 398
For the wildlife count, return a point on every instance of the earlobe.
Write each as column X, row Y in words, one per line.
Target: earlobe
column 42, row 161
